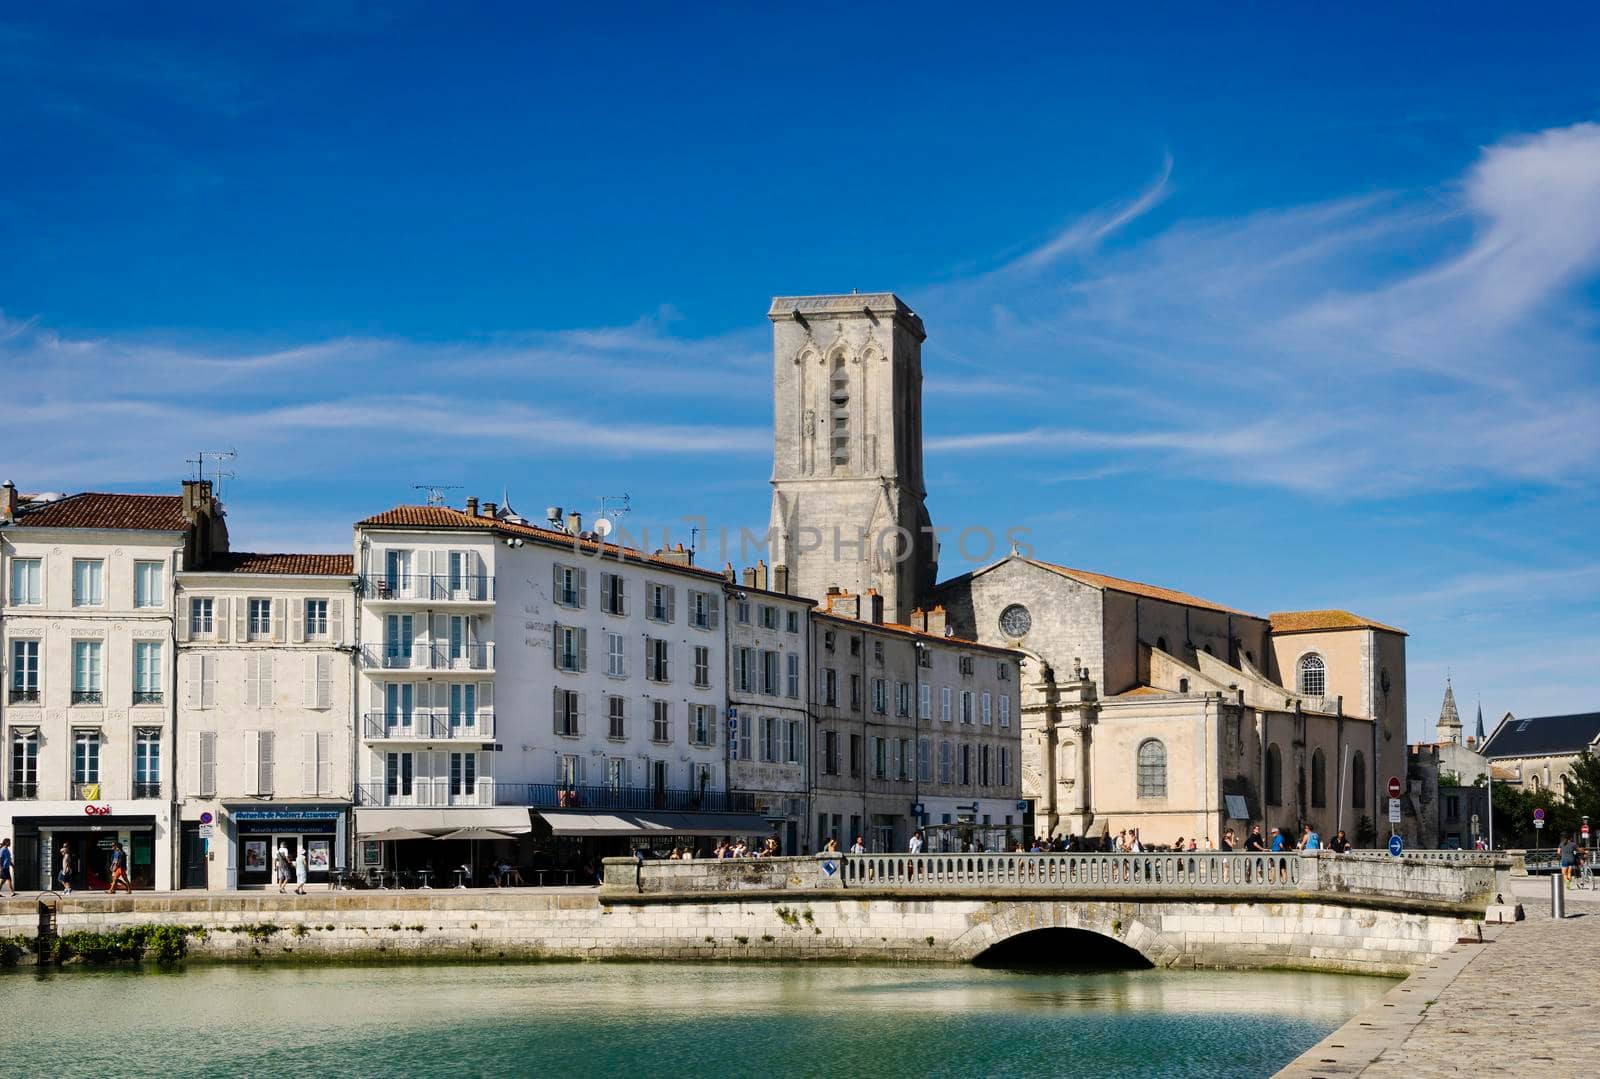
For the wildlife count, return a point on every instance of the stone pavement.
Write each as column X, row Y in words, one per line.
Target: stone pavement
column 1521, row 1005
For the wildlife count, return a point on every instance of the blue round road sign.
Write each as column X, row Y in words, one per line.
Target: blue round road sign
column 1396, row 846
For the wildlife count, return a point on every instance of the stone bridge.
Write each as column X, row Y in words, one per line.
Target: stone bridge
column 1357, row 912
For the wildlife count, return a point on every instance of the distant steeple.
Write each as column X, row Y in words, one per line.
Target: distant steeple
column 1480, row 724
column 1449, row 718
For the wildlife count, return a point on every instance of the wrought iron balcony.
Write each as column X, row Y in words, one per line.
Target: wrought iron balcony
column 427, row 726
column 426, row 657
column 146, row 788
column 87, row 696
column 24, row 696
column 557, row 796
column 429, row 588
column 22, row 791
column 427, row 791
column 147, row 696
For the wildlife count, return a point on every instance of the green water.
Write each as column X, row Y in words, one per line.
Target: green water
column 666, row 1019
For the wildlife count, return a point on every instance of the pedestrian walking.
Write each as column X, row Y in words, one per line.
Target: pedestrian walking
column 915, row 846
column 858, row 847
column 119, row 869
column 1253, row 842
column 300, row 870
column 280, row 867
column 1312, row 840
column 64, row 870
column 1275, row 841
column 5, row 866
column 1569, row 857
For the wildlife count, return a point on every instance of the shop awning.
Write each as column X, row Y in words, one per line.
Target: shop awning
column 513, row 820
column 599, row 823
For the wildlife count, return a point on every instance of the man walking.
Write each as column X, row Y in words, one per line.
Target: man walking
column 1569, row 857
column 5, row 866
column 915, row 846
column 1254, row 843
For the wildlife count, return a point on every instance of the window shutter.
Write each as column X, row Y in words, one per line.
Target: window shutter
column 308, row 763
column 208, row 763
column 555, row 645
column 278, row 618
column 193, row 741
column 265, row 695
column 208, row 682
column 486, row 698
column 555, row 583
column 422, row 581
column 577, row 714
column 583, row 649
column 324, row 681
column 336, row 621
column 297, row 620
column 181, row 623
column 711, row 711
column 583, row 588
column 713, row 610
column 264, row 783
column 219, row 618
column 241, row 625
column 252, row 762
column 672, row 604
column 193, row 667
column 606, row 591
column 555, row 709
column 250, row 681
column 308, row 682
column 324, row 763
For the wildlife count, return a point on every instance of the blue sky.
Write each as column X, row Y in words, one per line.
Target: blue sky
column 1283, row 310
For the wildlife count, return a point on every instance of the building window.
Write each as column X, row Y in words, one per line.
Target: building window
column 792, row 687
column 987, row 711
column 88, row 582
column 316, row 618
column 660, row 602
column 702, row 719
column 463, row 707
column 86, row 673
column 147, row 763
column 1005, row 710
column 965, row 760
column 1002, row 670
column 1005, row 767
column 661, row 722
column 966, row 706
column 86, row 764
column 1358, row 781
column 1319, row 780
column 571, row 771
column 24, row 762
column 202, row 611
column 770, row 679
column 793, row 742
column 568, row 713
column 569, row 585
column 657, row 660
column 27, row 582
column 924, row 657
column 24, row 672
column 616, row 667
column 702, row 666
column 902, row 699
column 616, row 773
column 855, row 646
column 744, row 669
column 1152, row 769
column 572, row 648
column 924, row 760
column 617, row 718
column 877, row 651
column 146, row 672
column 925, row 702
column 829, row 687
column 944, row 704
column 855, row 693
column 880, row 696
column 742, row 612
column 259, row 626
column 879, row 749
column 983, row 766
column 944, row 762
column 791, row 621
column 769, row 617
column 702, row 610
column 1313, row 676
column 966, row 666
column 397, row 775
column 613, row 596
column 463, row 775
column 147, row 584
column 769, row 743
column 1274, row 776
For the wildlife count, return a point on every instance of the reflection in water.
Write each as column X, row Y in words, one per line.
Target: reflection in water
column 588, row 1019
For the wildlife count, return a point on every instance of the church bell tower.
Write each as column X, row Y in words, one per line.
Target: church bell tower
column 847, row 489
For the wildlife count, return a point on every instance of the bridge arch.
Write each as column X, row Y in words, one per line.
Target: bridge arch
column 1060, row 949
column 1068, row 925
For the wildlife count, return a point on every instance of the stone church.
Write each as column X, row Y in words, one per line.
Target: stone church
column 1143, row 707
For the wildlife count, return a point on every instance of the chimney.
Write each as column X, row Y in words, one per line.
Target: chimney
column 676, row 555
column 196, row 499
column 8, row 503
column 749, row 577
column 472, row 505
column 763, row 582
column 727, row 572
column 780, row 579
column 488, row 509
column 874, row 610
column 574, row 523
column 936, row 623
column 844, row 603
column 919, row 620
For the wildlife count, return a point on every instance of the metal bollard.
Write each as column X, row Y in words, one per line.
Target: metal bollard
column 1558, row 895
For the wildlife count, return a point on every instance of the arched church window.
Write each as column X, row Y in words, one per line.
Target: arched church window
column 1161, row 644
column 1358, row 781
column 1533, row 781
column 1313, row 680
column 1183, row 685
column 1152, row 769
column 839, row 401
column 1274, row 776
column 1319, row 779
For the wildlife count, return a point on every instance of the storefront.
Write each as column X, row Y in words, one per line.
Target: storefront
column 256, row 831
column 88, row 842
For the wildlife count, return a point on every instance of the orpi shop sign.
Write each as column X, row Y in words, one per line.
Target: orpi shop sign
column 92, row 810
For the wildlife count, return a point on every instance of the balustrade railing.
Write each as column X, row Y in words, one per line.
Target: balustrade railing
column 427, row 791
column 427, row 727
column 642, row 799
column 1194, row 870
column 428, row 657
column 438, row 587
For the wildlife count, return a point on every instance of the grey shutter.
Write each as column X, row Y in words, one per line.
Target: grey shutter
column 577, row 716
column 672, row 604
column 555, row 645
column 555, row 582
column 583, row 588
column 555, row 709
column 583, row 649
column 714, row 609
column 711, row 739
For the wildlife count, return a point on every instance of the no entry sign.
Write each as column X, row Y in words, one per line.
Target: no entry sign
column 1394, row 786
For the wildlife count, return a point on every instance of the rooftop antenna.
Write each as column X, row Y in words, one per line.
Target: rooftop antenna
column 435, row 492
column 613, row 506
column 216, row 457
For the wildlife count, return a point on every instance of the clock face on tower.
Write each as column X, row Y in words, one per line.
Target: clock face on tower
column 1015, row 621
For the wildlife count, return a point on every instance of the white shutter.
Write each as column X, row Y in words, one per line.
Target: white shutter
column 308, row 762
column 324, row 764
column 219, row 618
column 297, row 620
column 713, row 609
column 486, row 698
column 422, row 581
column 250, row 681
column 324, row 681
column 336, row 621
column 208, row 764
column 265, row 695
column 265, row 783
column 252, row 762
column 181, row 620
column 583, row 588
column 193, row 667
column 308, row 681
column 208, row 685
column 241, row 625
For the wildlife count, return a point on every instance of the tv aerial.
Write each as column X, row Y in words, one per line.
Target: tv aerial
column 435, row 492
column 612, row 509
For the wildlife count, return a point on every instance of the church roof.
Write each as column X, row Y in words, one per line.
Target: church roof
column 1448, row 716
column 1315, row 621
column 1543, row 736
column 1480, row 723
column 1133, row 588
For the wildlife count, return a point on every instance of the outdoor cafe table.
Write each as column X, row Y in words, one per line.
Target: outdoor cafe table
column 423, row 875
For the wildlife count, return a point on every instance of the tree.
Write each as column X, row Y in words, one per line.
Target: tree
column 1583, row 789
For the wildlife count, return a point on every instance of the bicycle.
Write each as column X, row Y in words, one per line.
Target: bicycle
column 1585, row 875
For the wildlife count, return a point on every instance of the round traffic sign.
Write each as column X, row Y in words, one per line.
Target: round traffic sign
column 1396, row 845
column 1538, row 814
column 1394, row 786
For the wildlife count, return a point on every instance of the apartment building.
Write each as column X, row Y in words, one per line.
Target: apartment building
column 914, row 730
column 265, row 708
column 507, row 666
column 89, row 646
column 769, row 682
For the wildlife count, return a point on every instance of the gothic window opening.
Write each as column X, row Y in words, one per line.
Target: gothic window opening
column 1358, row 781
column 1313, row 676
column 839, row 402
column 1319, row 780
column 1152, row 769
column 1274, row 776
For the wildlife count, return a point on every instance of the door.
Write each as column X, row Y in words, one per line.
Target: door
column 193, row 872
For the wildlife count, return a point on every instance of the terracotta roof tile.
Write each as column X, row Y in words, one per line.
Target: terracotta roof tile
column 1311, row 621
column 95, row 509
column 317, row 565
column 910, row 631
column 1134, row 588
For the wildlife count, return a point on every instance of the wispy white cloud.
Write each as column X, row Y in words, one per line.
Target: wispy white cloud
column 1086, row 233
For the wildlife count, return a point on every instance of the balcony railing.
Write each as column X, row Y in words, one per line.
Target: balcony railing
column 424, row 657
column 556, row 796
column 427, row 727
column 21, row 790
column 146, row 788
column 427, row 791
column 147, row 696
column 87, row 696
column 24, row 696
column 435, row 588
